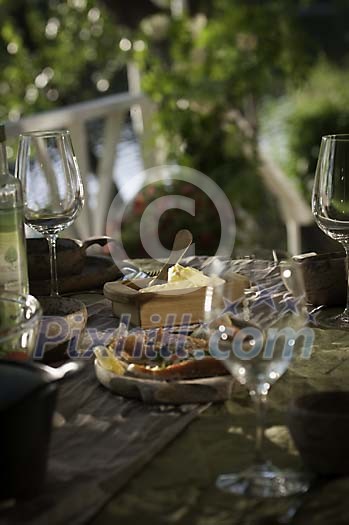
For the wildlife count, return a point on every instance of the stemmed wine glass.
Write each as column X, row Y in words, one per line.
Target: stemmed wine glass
column 256, row 337
column 52, row 186
column 330, row 202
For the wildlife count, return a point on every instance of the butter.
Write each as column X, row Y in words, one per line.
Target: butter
column 106, row 358
column 180, row 277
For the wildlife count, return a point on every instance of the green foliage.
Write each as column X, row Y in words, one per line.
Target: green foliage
column 55, row 53
column 207, row 76
column 293, row 126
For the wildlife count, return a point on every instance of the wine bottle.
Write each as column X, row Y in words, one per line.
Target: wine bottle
column 13, row 256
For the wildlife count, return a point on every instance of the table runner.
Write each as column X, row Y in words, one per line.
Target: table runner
column 102, row 440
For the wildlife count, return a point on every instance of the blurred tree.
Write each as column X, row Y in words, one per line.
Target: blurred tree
column 130, row 14
column 325, row 23
column 293, row 125
column 55, row 53
column 208, row 76
column 209, row 72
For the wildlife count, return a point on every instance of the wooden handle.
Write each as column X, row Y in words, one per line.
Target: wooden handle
column 181, row 243
column 102, row 241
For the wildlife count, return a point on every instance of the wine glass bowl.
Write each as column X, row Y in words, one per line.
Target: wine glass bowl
column 258, row 337
column 52, row 186
column 330, row 201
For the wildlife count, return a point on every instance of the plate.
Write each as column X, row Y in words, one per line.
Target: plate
column 203, row 390
column 96, row 271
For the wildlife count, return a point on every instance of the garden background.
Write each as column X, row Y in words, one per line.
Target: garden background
column 228, row 78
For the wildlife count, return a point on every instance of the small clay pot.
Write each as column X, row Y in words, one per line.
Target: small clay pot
column 324, row 277
column 319, row 426
column 71, row 255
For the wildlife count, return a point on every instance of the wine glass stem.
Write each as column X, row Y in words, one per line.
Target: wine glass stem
column 52, row 241
column 260, row 407
column 346, row 247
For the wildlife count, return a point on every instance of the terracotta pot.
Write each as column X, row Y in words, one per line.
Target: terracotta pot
column 324, row 277
column 71, row 255
column 319, row 426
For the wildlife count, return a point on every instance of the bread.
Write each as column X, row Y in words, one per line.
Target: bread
column 164, row 355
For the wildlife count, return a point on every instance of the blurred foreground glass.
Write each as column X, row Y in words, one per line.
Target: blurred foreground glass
column 52, row 186
column 330, row 202
column 20, row 317
column 256, row 337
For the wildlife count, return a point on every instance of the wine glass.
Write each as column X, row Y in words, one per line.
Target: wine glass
column 256, row 336
column 330, row 202
column 52, row 186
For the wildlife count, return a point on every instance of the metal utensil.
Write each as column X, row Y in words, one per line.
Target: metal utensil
column 181, row 243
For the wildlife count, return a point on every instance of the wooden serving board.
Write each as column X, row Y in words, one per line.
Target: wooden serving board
column 173, row 392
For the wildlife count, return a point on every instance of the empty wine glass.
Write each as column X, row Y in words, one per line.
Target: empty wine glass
column 256, row 336
column 330, row 202
column 52, row 186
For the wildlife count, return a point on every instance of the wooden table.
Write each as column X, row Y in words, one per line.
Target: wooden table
column 178, row 486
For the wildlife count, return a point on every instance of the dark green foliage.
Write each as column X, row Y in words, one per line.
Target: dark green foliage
column 54, row 53
column 302, row 117
column 208, row 76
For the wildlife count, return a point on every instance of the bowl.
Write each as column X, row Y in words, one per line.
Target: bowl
column 319, row 425
column 20, row 317
column 71, row 256
column 324, row 277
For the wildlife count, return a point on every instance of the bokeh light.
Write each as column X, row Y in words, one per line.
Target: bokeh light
column 12, row 48
column 125, row 44
column 102, row 84
column 52, row 28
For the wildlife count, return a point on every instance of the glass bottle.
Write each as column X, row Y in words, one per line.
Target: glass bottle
column 13, row 256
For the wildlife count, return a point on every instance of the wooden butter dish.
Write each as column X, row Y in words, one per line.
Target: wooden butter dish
column 165, row 307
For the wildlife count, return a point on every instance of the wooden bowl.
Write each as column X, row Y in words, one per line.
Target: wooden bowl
column 319, row 426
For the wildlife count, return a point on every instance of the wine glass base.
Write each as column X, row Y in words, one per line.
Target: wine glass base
column 265, row 481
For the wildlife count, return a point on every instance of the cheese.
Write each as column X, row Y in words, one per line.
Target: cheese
column 180, row 277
